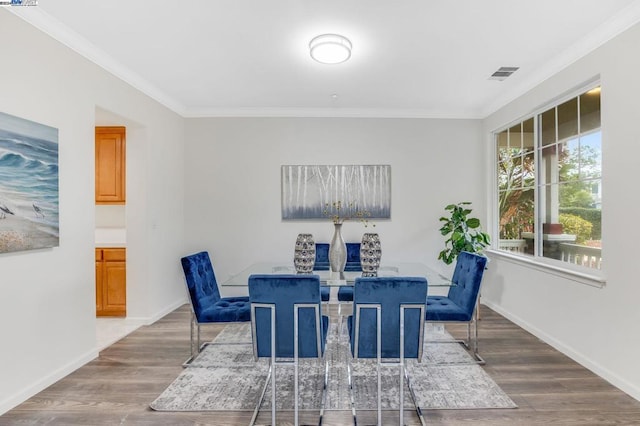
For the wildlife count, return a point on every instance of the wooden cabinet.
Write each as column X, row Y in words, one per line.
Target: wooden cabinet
column 110, row 165
column 111, row 282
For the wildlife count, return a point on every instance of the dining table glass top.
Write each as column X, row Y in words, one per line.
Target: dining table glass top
column 333, row 279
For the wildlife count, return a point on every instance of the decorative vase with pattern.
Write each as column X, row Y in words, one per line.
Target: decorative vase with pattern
column 370, row 254
column 305, row 254
column 337, row 250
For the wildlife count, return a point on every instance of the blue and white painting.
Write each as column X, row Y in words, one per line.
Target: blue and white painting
column 309, row 190
column 28, row 185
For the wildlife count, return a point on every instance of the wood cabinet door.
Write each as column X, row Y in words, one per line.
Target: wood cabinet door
column 110, row 165
column 111, row 282
column 114, row 288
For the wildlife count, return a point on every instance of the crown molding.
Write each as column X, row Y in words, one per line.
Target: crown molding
column 330, row 113
column 614, row 26
column 63, row 34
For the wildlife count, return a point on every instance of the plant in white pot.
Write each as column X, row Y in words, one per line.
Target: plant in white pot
column 463, row 233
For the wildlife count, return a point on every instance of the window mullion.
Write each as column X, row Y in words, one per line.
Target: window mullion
column 537, row 225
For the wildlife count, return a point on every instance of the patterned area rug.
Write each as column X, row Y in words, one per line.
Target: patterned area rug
column 225, row 377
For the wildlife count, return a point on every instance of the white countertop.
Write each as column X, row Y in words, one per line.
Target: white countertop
column 110, row 237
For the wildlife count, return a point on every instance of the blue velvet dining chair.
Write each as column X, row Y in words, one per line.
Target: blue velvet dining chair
column 287, row 324
column 206, row 304
column 460, row 304
column 353, row 257
column 388, row 323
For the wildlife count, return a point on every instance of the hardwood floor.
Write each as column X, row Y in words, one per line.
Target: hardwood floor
column 117, row 387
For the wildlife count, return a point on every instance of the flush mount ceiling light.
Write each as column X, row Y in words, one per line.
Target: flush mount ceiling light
column 330, row 48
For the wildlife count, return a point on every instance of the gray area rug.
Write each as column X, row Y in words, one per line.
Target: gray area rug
column 225, row 377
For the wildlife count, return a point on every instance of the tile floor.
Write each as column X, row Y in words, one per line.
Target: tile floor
column 110, row 330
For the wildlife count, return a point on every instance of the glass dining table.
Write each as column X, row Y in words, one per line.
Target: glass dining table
column 437, row 284
column 333, row 279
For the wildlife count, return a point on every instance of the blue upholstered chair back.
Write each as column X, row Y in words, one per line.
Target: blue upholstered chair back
column 201, row 282
column 467, row 278
column 353, row 257
column 390, row 293
column 284, row 291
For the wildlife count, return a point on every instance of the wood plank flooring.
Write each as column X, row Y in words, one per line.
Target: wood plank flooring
column 117, row 387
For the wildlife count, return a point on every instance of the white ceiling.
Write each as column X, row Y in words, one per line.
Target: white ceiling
column 411, row 58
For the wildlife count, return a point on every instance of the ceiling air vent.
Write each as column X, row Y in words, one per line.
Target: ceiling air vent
column 503, row 72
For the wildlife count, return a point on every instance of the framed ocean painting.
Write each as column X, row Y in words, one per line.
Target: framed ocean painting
column 310, row 192
column 28, row 185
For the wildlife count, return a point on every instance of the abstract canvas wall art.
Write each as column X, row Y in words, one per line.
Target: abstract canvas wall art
column 307, row 190
column 28, row 185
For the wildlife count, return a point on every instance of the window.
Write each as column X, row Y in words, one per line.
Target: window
column 549, row 171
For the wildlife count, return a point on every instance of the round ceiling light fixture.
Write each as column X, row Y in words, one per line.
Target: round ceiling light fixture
column 330, row 48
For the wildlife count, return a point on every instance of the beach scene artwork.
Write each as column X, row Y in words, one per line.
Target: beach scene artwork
column 311, row 191
column 28, row 185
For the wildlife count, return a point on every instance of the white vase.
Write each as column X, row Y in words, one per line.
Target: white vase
column 337, row 250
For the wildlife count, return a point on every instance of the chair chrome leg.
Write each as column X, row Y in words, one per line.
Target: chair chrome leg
column 191, row 331
column 296, row 390
column 475, row 329
column 401, row 381
column 402, row 368
column 198, row 338
column 476, row 344
column 471, row 343
column 256, row 411
column 379, row 351
column 404, row 374
column 273, row 366
column 413, row 398
column 379, row 408
column 194, row 329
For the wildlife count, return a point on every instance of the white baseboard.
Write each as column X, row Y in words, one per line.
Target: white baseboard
column 617, row 381
column 161, row 313
column 167, row 310
column 26, row 393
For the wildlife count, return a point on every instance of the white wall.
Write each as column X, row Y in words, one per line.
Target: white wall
column 111, row 216
column 232, row 182
column 47, row 297
column 597, row 327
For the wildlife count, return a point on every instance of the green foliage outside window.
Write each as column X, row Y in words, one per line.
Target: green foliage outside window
column 575, row 225
column 594, row 216
column 516, row 203
column 578, row 165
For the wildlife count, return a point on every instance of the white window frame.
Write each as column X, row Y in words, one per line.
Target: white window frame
column 577, row 273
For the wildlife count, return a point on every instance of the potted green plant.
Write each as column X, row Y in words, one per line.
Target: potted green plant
column 462, row 231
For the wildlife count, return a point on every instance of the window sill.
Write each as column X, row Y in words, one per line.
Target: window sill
column 597, row 279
